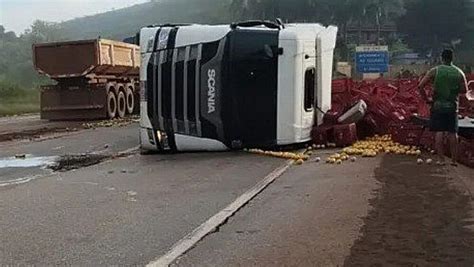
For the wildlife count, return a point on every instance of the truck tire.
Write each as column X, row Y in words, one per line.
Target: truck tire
column 121, row 105
column 130, row 100
column 111, row 105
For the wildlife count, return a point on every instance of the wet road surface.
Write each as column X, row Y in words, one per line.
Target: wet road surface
column 420, row 217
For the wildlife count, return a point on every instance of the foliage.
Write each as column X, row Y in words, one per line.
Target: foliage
column 325, row 11
column 18, row 79
column 14, row 99
column 16, row 64
column 430, row 25
column 426, row 25
column 399, row 47
column 17, row 73
column 122, row 23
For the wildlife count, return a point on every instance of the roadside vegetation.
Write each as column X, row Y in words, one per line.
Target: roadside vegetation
column 16, row 100
column 19, row 82
column 420, row 30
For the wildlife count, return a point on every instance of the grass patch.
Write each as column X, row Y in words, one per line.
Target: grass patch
column 16, row 100
column 18, row 108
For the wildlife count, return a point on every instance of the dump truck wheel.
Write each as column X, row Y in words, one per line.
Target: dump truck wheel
column 121, row 104
column 130, row 100
column 111, row 105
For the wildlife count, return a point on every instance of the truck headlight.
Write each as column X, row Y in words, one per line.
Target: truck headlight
column 163, row 140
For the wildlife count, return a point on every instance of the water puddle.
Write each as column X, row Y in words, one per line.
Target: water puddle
column 27, row 162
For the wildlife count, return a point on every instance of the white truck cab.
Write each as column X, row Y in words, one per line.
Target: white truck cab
column 244, row 85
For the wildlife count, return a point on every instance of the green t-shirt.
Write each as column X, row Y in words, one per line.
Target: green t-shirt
column 447, row 86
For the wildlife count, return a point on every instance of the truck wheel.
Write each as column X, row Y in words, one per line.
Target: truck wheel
column 121, row 105
column 130, row 100
column 111, row 105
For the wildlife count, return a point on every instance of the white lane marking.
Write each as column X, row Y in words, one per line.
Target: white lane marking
column 191, row 239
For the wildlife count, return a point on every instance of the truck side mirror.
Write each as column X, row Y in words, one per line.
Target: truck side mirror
column 268, row 51
column 272, row 51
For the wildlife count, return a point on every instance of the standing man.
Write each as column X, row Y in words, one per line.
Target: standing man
column 449, row 82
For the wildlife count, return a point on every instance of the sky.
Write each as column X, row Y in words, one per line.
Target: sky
column 18, row 15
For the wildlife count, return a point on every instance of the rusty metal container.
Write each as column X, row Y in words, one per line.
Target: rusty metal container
column 80, row 58
column 95, row 78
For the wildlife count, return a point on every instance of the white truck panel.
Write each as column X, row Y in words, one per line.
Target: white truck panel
column 303, row 46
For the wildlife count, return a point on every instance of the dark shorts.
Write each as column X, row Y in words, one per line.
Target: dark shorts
column 444, row 122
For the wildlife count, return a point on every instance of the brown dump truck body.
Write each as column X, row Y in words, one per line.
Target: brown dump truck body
column 87, row 72
column 80, row 58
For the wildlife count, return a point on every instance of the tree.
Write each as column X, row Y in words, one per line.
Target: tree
column 16, row 66
column 340, row 12
column 42, row 31
column 429, row 25
column 6, row 36
column 255, row 9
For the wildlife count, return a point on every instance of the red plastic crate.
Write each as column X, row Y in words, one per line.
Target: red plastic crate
column 345, row 135
column 331, row 116
column 341, row 85
column 466, row 152
column 406, row 134
column 367, row 127
column 320, row 135
column 424, row 109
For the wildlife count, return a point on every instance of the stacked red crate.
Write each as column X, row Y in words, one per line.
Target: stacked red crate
column 407, row 134
column 391, row 105
column 345, row 134
column 320, row 135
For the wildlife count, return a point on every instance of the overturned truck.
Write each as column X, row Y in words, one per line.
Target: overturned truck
column 94, row 79
column 249, row 84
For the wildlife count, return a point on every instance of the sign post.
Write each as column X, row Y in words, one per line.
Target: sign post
column 372, row 59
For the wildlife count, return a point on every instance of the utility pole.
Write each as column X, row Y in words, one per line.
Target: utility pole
column 378, row 15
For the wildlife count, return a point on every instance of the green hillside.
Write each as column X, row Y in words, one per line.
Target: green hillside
column 17, row 72
column 17, row 75
column 125, row 22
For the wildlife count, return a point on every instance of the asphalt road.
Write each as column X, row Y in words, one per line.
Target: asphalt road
column 133, row 209
column 380, row 212
column 30, row 126
column 105, row 141
column 311, row 216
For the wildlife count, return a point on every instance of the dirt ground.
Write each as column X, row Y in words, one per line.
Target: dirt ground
column 416, row 220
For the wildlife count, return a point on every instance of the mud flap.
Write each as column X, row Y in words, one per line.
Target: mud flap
column 73, row 103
